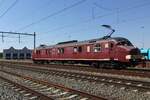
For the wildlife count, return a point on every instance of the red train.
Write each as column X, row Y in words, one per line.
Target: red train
column 103, row 52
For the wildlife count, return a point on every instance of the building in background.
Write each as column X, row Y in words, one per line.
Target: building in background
column 13, row 53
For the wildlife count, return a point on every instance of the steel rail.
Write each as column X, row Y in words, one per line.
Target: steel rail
column 84, row 94
column 144, row 86
column 28, row 90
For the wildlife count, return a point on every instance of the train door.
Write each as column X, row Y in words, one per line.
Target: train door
column 53, row 53
column 112, row 51
column 88, row 52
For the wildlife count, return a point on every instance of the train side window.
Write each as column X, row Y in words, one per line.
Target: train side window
column 80, row 49
column 88, row 48
column 111, row 45
column 46, row 51
column 75, row 49
column 53, row 51
column 49, row 51
column 97, row 48
column 58, row 50
column 106, row 45
column 38, row 52
column 61, row 50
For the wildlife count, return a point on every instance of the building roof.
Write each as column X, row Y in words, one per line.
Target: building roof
column 13, row 49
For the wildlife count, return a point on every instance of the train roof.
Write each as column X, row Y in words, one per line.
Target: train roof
column 75, row 42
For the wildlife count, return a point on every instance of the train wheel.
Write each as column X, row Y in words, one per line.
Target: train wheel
column 102, row 65
column 95, row 64
column 35, row 62
column 119, row 65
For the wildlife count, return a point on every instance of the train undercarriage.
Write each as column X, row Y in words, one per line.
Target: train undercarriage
column 95, row 64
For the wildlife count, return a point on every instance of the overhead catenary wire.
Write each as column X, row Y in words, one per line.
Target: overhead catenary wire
column 11, row 6
column 101, row 7
column 125, row 10
column 17, row 33
column 135, row 19
column 51, row 15
column 130, row 20
column 100, row 16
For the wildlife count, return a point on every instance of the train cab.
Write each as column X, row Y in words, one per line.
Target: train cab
column 126, row 51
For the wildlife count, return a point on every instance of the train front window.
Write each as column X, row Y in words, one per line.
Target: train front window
column 124, row 42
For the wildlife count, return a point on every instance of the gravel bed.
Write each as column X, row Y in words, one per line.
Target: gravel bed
column 108, row 91
column 26, row 84
column 7, row 93
column 105, row 74
column 145, row 79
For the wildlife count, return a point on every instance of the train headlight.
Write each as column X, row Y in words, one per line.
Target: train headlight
column 128, row 56
column 143, row 58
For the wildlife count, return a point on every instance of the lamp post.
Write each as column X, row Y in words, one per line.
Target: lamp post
column 142, row 37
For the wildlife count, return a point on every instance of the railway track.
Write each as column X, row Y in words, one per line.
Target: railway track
column 136, row 85
column 31, row 94
column 127, row 72
column 123, row 83
column 44, row 90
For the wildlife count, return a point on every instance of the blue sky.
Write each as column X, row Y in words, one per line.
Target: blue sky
column 130, row 18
